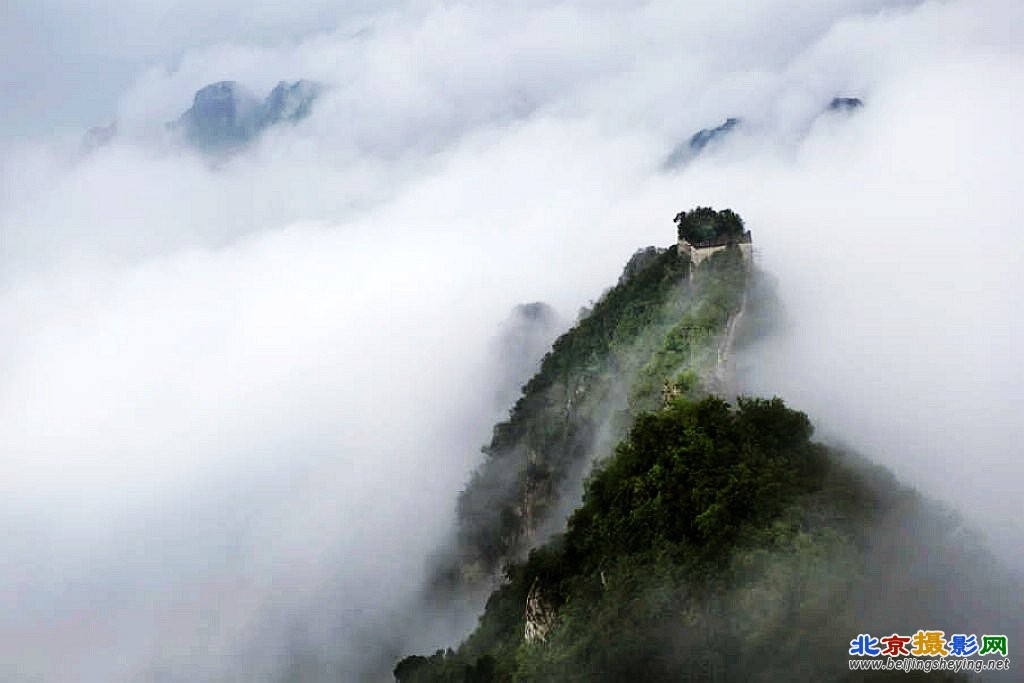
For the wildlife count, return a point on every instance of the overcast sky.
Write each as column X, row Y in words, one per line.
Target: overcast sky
column 65, row 63
column 238, row 397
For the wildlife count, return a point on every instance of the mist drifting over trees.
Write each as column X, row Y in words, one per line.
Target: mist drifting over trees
column 240, row 394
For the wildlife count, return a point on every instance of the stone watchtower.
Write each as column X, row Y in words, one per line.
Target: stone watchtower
column 701, row 250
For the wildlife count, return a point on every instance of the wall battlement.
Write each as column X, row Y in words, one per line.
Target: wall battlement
column 702, row 250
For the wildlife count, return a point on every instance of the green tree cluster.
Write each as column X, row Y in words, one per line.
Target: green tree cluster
column 716, row 543
column 704, row 223
column 670, row 522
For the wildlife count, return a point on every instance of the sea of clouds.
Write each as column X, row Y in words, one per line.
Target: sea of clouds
column 238, row 396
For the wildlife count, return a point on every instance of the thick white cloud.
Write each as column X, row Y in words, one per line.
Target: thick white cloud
column 237, row 399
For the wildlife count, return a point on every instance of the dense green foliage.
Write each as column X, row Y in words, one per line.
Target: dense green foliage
column 689, row 346
column 654, row 330
column 704, row 223
column 674, row 497
column 556, row 422
column 716, row 543
column 692, row 476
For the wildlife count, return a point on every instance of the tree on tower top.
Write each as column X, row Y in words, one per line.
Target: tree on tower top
column 704, row 223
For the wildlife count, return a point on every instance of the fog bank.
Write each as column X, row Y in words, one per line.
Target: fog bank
column 238, row 396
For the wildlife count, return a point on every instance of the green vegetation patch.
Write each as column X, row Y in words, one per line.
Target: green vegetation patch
column 556, row 423
column 704, row 223
column 670, row 523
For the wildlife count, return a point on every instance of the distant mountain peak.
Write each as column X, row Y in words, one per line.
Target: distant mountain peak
column 222, row 115
column 225, row 115
column 705, row 136
column 845, row 104
column 289, row 102
column 699, row 141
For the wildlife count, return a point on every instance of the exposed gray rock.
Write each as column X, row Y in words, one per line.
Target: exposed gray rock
column 288, row 103
column 540, row 614
column 225, row 115
column 699, row 141
column 222, row 115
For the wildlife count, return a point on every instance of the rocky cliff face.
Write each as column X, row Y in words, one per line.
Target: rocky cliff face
column 540, row 613
column 698, row 141
column 225, row 115
column 288, row 103
column 222, row 115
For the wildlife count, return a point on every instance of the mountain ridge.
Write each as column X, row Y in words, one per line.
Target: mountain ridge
column 711, row 540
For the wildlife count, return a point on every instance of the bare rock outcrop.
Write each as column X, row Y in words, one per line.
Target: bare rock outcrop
column 540, row 613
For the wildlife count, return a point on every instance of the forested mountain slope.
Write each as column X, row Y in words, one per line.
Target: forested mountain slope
column 711, row 540
column 655, row 332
